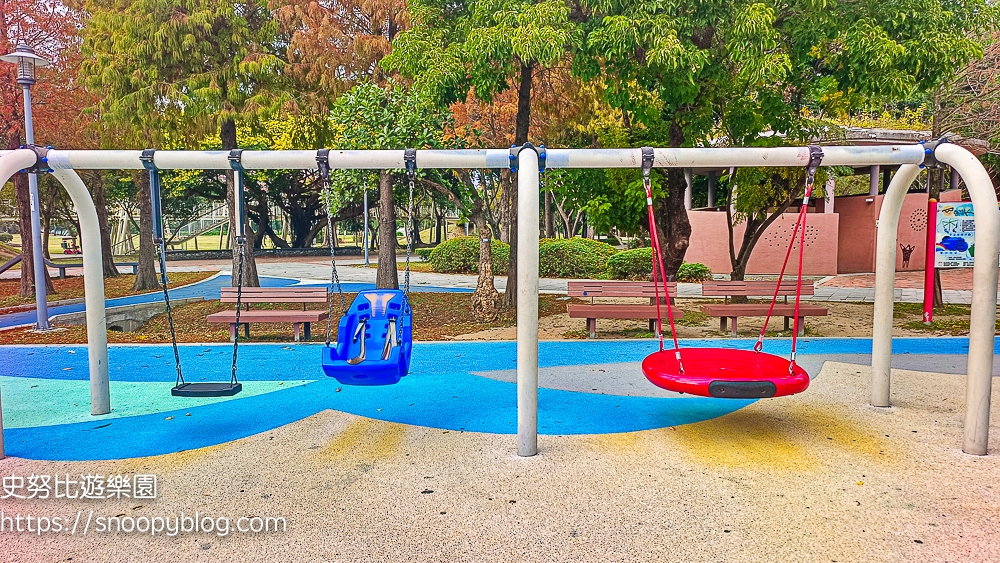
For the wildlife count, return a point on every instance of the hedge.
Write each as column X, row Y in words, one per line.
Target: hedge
column 573, row 258
column 460, row 255
column 637, row 264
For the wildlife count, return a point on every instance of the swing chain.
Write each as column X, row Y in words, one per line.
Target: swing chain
column 241, row 241
column 815, row 160
column 236, row 163
column 323, row 167
column 410, row 159
column 161, row 249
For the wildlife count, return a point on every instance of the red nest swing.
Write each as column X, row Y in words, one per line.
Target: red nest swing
column 723, row 372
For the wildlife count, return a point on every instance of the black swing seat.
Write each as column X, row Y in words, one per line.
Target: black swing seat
column 206, row 389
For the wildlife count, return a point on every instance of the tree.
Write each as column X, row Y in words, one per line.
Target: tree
column 375, row 117
column 336, row 44
column 487, row 48
column 717, row 73
column 167, row 67
column 50, row 29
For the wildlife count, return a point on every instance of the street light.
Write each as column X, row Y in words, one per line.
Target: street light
column 26, row 60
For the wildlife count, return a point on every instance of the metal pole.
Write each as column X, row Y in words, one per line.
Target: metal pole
column 982, row 321
column 527, row 302
column 711, row 188
column 10, row 163
column 885, row 280
column 929, row 261
column 830, row 198
column 93, row 289
column 688, row 189
column 873, row 180
column 38, row 254
column 365, row 238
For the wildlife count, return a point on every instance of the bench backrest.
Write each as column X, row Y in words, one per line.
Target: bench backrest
column 275, row 295
column 617, row 289
column 753, row 288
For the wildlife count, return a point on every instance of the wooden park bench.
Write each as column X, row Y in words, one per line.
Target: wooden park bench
column 593, row 310
column 61, row 266
column 292, row 294
column 733, row 311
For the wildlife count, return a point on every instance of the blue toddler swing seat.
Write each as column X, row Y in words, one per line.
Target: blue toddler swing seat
column 374, row 336
column 374, row 340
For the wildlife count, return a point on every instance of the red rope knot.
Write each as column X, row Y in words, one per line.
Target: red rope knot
column 760, row 342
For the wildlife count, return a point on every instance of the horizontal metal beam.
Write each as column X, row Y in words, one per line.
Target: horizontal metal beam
column 710, row 158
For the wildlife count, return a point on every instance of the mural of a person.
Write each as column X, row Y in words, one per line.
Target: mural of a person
column 907, row 251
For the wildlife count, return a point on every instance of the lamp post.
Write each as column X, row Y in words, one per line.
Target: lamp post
column 26, row 60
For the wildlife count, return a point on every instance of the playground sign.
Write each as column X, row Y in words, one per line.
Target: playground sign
column 955, row 237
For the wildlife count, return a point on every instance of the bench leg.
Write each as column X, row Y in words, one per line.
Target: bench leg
column 722, row 323
column 62, row 273
column 246, row 330
column 592, row 327
column 802, row 326
column 232, row 332
column 734, row 325
column 297, row 327
column 308, row 331
column 786, row 323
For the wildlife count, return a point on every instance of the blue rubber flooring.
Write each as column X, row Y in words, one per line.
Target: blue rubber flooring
column 440, row 392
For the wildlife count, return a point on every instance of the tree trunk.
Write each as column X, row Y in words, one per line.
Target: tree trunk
column 521, row 127
column 227, row 133
column 145, row 278
column 550, row 231
column 673, row 228
column 101, row 203
column 486, row 299
column 386, row 277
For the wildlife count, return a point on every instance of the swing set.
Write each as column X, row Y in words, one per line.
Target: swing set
column 710, row 372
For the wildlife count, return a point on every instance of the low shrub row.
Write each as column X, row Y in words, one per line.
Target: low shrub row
column 559, row 258
column 637, row 264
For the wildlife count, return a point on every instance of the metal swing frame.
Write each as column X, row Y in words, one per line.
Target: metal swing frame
column 63, row 165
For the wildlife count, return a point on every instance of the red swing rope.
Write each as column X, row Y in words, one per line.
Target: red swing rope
column 657, row 255
column 815, row 159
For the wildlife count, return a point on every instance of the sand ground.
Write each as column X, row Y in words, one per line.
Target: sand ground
column 819, row 476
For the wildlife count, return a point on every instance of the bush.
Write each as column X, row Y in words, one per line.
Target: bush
column 573, row 258
column 635, row 264
column 424, row 253
column 6, row 237
column 694, row 272
column 460, row 255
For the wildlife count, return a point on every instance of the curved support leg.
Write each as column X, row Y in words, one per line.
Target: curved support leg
column 885, row 281
column 10, row 164
column 982, row 322
column 93, row 286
